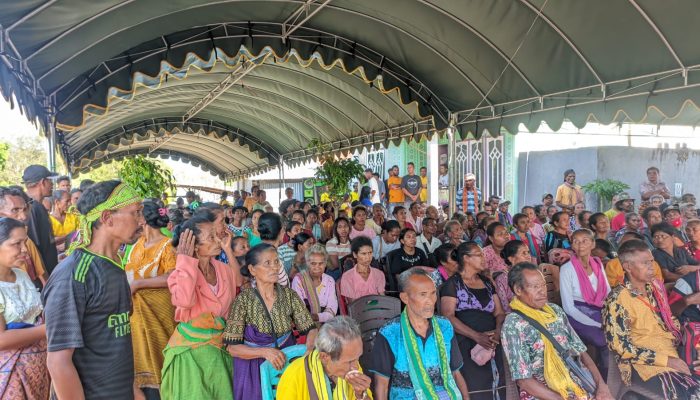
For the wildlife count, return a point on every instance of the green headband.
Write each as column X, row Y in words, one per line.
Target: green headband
column 122, row 196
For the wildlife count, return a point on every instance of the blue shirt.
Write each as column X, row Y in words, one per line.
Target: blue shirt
column 470, row 200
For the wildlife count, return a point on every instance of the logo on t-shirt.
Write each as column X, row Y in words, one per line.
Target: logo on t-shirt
column 120, row 323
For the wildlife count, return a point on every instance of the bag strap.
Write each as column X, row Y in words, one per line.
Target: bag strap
column 310, row 381
column 562, row 352
column 269, row 317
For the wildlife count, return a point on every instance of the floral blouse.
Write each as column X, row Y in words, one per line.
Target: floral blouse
column 494, row 262
column 524, row 347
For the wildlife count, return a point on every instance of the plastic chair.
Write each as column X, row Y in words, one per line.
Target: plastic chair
column 371, row 313
column 551, row 277
column 342, row 304
column 270, row 377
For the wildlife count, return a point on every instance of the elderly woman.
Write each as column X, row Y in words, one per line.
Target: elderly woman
column 470, row 302
column 674, row 261
column 63, row 223
column 24, row 373
column 316, row 289
column 454, row 233
column 498, row 236
column 568, row 193
column 150, row 262
column 583, row 287
column 534, row 364
column 260, row 323
column 202, row 289
column 362, row 279
column 446, row 257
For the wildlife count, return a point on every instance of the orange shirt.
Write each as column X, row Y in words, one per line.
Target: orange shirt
column 395, row 195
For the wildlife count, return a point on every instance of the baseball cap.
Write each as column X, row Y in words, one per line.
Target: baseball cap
column 623, row 196
column 35, row 173
column 544, row 196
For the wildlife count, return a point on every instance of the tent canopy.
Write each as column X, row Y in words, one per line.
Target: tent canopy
column 236, row 86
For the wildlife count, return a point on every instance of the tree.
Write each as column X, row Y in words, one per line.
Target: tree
column 605, row 189
column 148, row 177
column 4, row 154
column 104, row 172
column 25, row 151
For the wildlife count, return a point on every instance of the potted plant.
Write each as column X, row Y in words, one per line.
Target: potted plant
column 337, row 174
column 605, row 189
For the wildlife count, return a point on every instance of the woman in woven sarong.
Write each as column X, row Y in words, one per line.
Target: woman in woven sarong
column 23, row 372
column 196, row 365
column 260, row 322
column 151, row 260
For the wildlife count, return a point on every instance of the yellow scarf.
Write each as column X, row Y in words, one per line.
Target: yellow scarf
column 556, row 375
column 343, row 390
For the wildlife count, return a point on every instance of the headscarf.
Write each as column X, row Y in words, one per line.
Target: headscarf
column 123, row 195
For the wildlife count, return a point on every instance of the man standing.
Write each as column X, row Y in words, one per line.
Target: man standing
column 443, row 179
column 37, row 180
column 469, row 197
column 411, row 186
column 373, row 187
column 87, row 300
column 396, row 196
column 289, row 194
column 13, row 205
column 262, row 201
column 236, row 197
column 653, row 185
column 332, row 370
column 424, row 184
column 223, row 200
column 241, row 201
column 382, row 188
column 252, row 199
column 63, row 183
column 417, row 353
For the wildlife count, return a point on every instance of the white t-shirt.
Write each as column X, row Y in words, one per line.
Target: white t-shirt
column 373, row 187
column 570, row 291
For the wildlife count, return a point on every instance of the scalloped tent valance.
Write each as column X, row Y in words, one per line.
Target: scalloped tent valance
column 346, row 73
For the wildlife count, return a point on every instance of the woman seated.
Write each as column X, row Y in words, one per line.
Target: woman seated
column 253, row 234
column 339, row 246
column 674, row 261
column 633, row 223
column 583, row 287
column 480, row 236
column 514, row 252
column 150, row 262
column 446, row 257
column 387, row 241
column 286, row 251
column 24, row 374
column 302, row 242
column 315, row 288
column 196, row 366
column 362, row 279
column 399, row 214
column 260, row 323
column 406, row 256
column 600, row 225
column 559, row 237
column 521, row 223
column 498, row 236
column 360, row 227
column 470, row 302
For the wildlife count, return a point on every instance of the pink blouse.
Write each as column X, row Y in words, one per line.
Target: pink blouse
column 192, row 295
column 353, row 286
column 494, row 262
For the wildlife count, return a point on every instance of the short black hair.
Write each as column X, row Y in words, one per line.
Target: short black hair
column 664, row 227
column 515, row 275
column 86, row 183
column 193, row 225
column 62, row 178
column 649, row 210
column 405, row 231
column 511, row 249
column 290, row 225
column 593, row 219
column 557, row 215
column 445, row 252
column 300, row 239
column 358, row 243
column 390, row 224
column 517, row 217
column 491, row 229
column 7, row 225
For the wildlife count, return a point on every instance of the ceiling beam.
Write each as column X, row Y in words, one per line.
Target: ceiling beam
column 305, row 13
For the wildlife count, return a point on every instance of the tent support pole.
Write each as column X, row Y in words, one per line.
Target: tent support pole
column 51, row 136
column 451, row 153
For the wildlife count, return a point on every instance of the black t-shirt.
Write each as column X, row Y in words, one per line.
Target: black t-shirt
column 41, row 233
column 400, row 261
column 412, row 183
column 87, row 302
column 672, row 263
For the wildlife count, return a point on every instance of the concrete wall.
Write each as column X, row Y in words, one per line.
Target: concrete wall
column 540, row 172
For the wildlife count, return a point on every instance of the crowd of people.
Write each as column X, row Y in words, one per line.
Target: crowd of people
column 105, row 295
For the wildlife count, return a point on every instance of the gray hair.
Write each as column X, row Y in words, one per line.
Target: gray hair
column 515, row 275
column 406, row 275
column 450, row 225
column 313, row 250
column 335, row 333
column 583, row 232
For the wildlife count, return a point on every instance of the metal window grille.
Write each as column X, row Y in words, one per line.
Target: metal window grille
column 485, row 159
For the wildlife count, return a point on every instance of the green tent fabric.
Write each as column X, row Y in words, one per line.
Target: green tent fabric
column 116, row 74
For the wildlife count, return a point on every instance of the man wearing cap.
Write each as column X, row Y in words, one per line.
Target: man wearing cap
column 504, row 216
column 624, row 204
column 653, row 185
column 469, row 196
column 547, row 200
column 37, row 180
column 613, row 211
column 87, row 300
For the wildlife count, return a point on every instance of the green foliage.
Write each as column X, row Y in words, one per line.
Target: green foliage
column 24, row 151
column 148, row 177
column 605, row 189
column 4, row 155
column 337, row 174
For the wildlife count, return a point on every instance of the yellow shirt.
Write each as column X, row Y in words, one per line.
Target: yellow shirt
column 34, row 257
column 424, row 190
column 354, row 196
column 616, row 275
column 293, row 384
column 249, row 203
column 395, row 195
column 325, row 197
column 70, row 224
column 566, row 195
column 611, row 213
